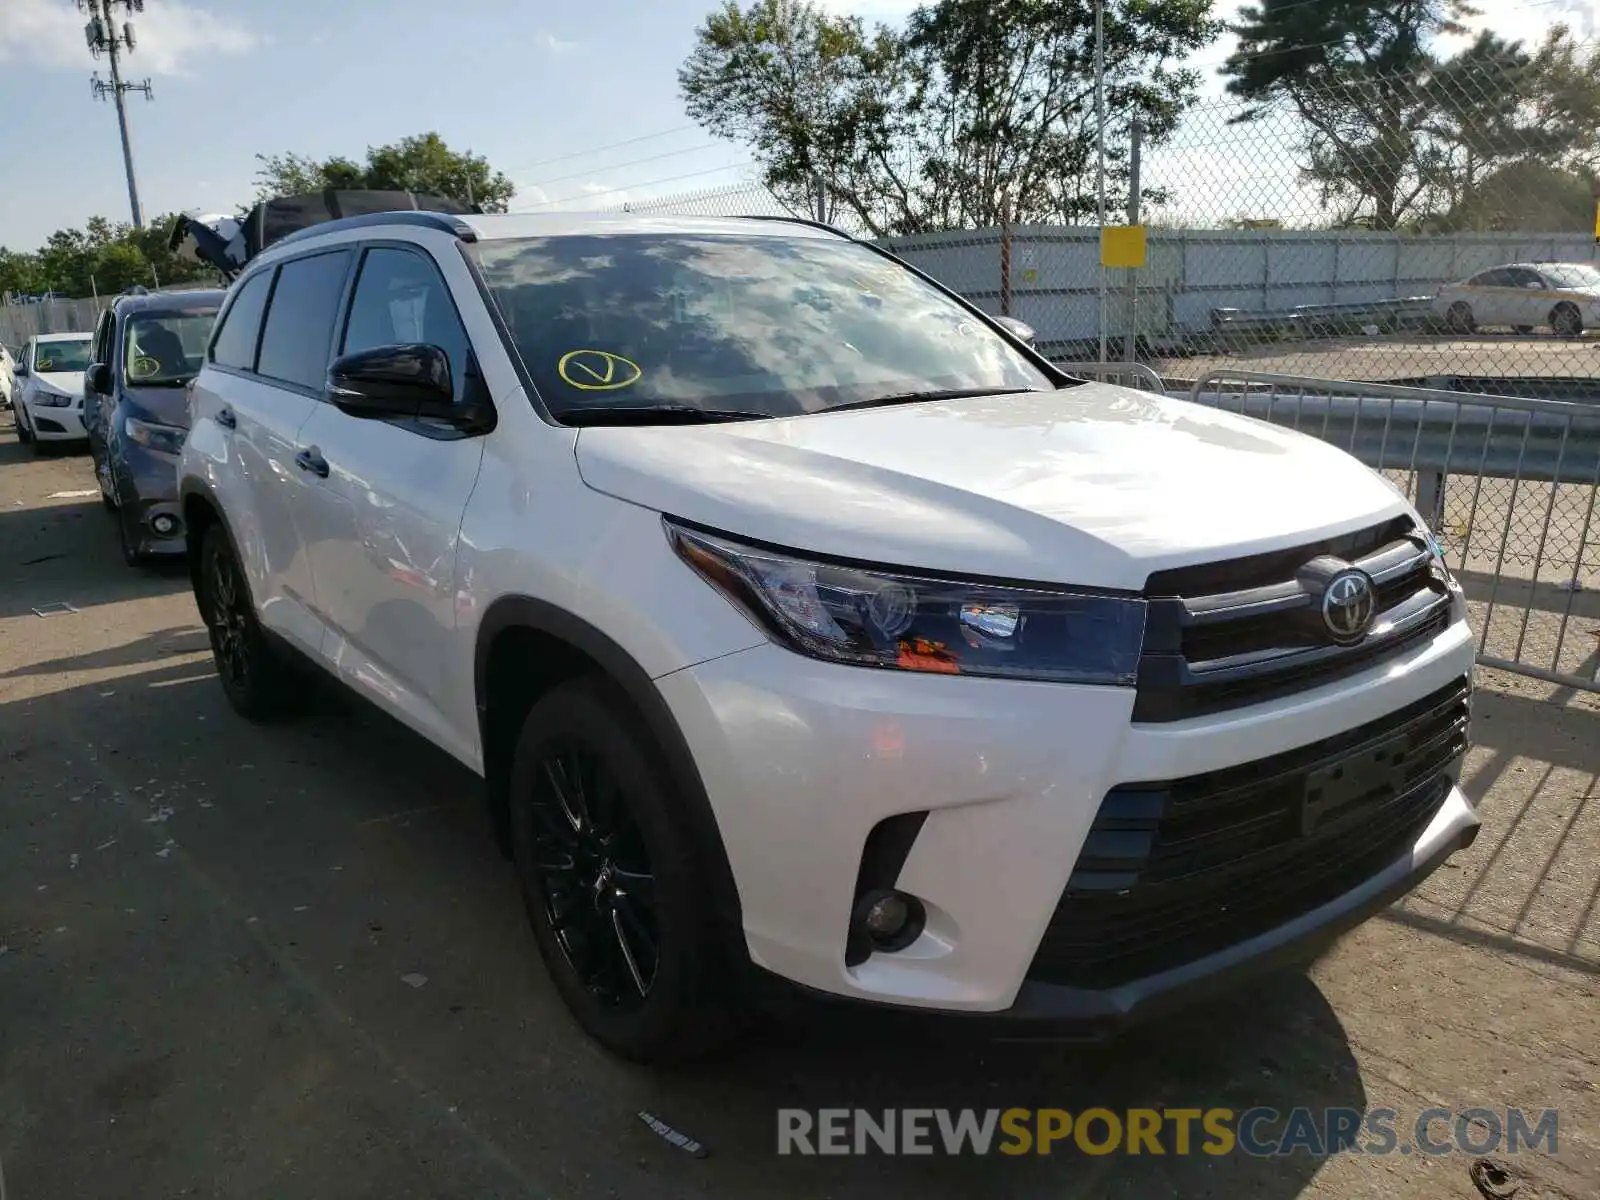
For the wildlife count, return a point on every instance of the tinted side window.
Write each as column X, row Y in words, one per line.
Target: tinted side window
column 400, row 298
column 299, row 331
column 235, row 343
column 102, row 338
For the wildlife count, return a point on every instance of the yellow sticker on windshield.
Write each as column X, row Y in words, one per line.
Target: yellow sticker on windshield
column 598, row 370
column 143, row 368
column 43, row 364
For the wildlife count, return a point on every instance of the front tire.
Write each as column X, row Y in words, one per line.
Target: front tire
column 24, row 430
column 258, row 681
column 611, row 883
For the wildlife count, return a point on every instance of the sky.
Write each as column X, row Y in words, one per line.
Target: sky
column 577, row 103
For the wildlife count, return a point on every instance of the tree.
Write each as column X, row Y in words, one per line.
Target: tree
column 1395, row 134
column 1351, row 69
column 976, row 110
column 103, row 258
column 423, row 163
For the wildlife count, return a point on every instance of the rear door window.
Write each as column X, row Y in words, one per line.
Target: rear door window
column 298, row 334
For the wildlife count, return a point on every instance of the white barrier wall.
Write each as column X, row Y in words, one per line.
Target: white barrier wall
column 1055, row 271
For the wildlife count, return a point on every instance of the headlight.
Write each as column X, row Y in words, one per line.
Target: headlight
column 46, row 399
column 879, row 618
column 168, row 439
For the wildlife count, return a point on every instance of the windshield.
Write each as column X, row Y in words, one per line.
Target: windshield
column 165, row 349
column 1572, row 275
column 61, row 356
column 769, row 326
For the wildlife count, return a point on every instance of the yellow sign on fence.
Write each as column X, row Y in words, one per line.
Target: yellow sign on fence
column 1123, row 246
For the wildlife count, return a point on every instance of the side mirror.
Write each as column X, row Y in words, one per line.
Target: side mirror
column 21, row 368
column 97, row 379
column 1020, row 330
column 1534, row 287
column 393, row 381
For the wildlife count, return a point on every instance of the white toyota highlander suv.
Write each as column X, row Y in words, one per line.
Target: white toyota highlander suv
column 811, row 629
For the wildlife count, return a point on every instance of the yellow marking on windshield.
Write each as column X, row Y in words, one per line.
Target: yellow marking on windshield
column 597, row 370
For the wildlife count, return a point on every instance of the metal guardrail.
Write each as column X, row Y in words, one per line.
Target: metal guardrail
column 1523, row 533
column 1125, row 374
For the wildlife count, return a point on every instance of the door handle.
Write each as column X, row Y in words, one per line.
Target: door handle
column 226, row 419
column 310, row 459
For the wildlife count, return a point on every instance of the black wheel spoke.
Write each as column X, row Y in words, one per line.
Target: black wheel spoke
column 636, row 886
column 568, row 791
column 640, row 983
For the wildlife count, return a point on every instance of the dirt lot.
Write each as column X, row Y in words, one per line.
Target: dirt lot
column 206, row 929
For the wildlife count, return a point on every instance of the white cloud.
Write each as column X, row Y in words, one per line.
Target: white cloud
column 550, row 43
column 173, row 38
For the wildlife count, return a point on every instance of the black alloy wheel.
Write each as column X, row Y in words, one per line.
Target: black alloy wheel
column 228, row 618
column 612, row 882
column 259, row 681
column 597, row 887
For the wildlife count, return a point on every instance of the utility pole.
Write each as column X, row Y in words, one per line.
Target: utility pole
column 104, row 37
column 1100, row 150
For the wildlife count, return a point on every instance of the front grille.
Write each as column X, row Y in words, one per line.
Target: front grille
column 1171, row 872
column 1225, row 635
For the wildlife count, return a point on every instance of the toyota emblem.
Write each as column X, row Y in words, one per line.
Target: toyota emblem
column 1348, row 605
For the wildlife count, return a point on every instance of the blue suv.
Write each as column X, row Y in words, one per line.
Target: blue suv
column 147, row 349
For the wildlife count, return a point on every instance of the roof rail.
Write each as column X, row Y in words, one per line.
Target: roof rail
column 426, row 220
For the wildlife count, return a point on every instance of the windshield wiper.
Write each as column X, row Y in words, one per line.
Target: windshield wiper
column 939, row 394
column 656, row 414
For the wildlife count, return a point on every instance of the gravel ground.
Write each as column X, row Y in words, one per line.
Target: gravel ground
column 243, row 962
column 1403, row 357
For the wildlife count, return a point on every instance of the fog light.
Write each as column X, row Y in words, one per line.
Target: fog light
column 891, row 920
column 164, row 524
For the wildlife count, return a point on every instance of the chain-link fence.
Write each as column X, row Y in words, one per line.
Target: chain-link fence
column 19, row 322
column 1430, row 229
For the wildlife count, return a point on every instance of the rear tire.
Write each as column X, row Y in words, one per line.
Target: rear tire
column 1460, row 319
column 611, row 882
column 1566, row 320
column 258, row 680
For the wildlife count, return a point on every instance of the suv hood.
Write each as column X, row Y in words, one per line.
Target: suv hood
column 1092, row 485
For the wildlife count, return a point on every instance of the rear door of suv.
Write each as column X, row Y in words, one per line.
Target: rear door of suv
column 266, row 370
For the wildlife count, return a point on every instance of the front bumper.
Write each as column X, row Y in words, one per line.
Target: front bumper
column 57, row 424
column 147, row 498
column 801, row 760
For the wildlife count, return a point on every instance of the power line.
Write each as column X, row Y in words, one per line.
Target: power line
column 622, row 187
column 633, row 141
column 632, row 163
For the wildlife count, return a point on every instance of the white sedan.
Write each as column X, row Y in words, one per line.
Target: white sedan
column 1524, row 296
column 49, row 392
column 7, row 379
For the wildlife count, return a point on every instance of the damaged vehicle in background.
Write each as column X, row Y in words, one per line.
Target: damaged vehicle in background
column 147, row 349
